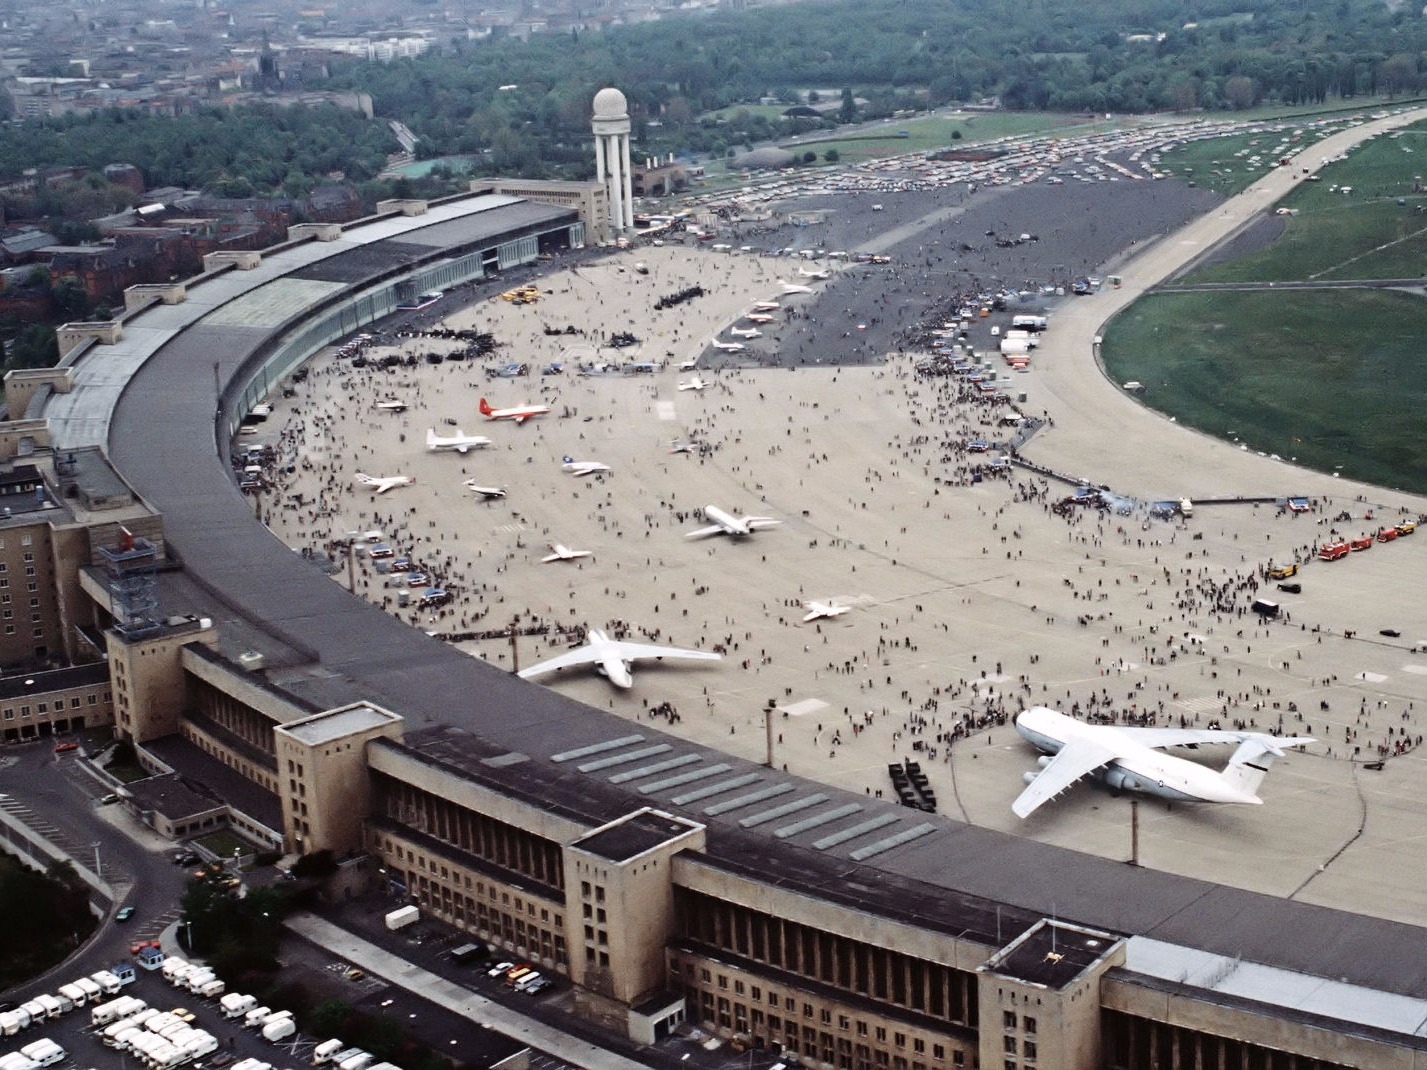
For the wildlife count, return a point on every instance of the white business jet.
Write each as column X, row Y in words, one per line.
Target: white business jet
column 391, row 406
column 518, row 413
column 488, row 493
column 815, row 273
column 745, row 332
column 1130, row 759
column 696, row 383
column 613, row 658
column 583, row 468
column 729, row 347
column 823, row 610
column 561, row 552
column 381, row 484
column 794, row 288
column 728, row 524
column 460, row 441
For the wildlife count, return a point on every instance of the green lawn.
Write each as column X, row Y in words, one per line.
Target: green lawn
column 1365, row 234
column 1334, row 381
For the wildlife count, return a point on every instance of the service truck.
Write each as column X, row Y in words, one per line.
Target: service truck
column 402, row 917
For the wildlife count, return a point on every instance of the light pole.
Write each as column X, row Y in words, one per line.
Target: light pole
column 98, row 870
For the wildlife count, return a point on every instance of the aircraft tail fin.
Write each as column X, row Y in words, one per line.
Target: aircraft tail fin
column 430, row 437
column 485, row 407
column 1250, row 763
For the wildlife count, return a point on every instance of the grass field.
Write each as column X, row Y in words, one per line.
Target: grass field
column 1373, row 232
column 1333, row 381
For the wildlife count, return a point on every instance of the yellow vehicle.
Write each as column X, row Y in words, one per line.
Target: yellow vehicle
column 1283, row 572
column 1407, row 527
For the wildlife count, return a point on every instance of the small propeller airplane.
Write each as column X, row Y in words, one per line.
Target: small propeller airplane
column 460, row 441
column 696, row 383
column 729, row 347
column 1130, row 759
column 815, row 273
column 381, row 484
column 582, row 468
column 518, row 413
column 488, row 493
column 728, row 524
column 745, row 332
column 613, row 658
column 823, row 610
column 561, row 552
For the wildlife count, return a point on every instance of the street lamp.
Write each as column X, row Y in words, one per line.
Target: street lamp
column 98, row 870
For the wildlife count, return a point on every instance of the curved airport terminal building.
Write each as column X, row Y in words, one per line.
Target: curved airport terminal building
column 668, row 882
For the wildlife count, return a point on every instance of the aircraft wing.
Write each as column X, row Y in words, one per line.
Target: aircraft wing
column 703, row 533
column 635, row 651
column 1078, row 758
column 756, row 522
column 1159, row 738
column 581, row 655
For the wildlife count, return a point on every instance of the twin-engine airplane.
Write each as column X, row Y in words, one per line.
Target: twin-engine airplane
column 745, row 332
column 794, row 288
column 582, row 468
column 460, row 441
column 815, row 273
column 696, row 383
column 728, row 524
column 518, row 413
column 487, row 493
column 382, row 484
column 561, row 552
column 613, row 658
column 1129, row 759
column 823, row 610
column 729, row 347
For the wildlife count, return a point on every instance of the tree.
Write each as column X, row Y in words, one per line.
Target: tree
column 810, row 157
column 848, row 112
column 832, row 156
column 1240, row 92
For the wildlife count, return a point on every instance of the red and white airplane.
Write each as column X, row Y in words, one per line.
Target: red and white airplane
column 519, row 413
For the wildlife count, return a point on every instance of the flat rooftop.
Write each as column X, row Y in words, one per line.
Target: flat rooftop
column 332, row 725
column 632, row 836
column 1052, row 955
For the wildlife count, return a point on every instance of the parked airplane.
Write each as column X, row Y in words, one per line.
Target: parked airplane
column 1129, row 758
column 696, row 383
column 485, row 492
column 728, row 524
column 583, row 468
column 460, row 441
column 729, row 347
column 391, row 406
column 382, row 484
column 758, row 317
column 820, row 610
column 794, row 288
column 519, row 413
column 561, row 552
column 748, row 332
column 766, row 306
column 613, row 658
column 816, row 273
column 680, row 446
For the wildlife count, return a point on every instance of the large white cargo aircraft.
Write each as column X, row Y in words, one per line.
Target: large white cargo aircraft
column 460, row 441
column 1126, row 758
column 613, row 658
column 728, row 524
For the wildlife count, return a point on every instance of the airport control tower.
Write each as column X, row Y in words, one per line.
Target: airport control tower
column 611, row 130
